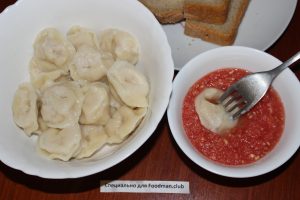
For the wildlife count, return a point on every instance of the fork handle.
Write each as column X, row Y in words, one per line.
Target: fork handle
column 276, row 71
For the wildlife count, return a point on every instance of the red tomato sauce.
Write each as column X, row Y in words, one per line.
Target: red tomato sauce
column 256, row 133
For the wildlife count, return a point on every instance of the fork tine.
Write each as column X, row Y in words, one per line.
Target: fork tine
column 242, row 110
column 237, row 114
column 226, row 94
column 231, row 98
column 237, row 104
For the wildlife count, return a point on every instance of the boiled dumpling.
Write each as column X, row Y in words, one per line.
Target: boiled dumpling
column 85, row 92
column 107, row 59
column 212, row 115
column 80, row 36
column 61, row 104
column 115, row 101
column 130, row 85
column 87, row 65
column 43, row 74
column 24, row 107
column 121, row 44
column 42, row 126
column 123, row 122
column 96, row 105
column 60, row 144
column 51, row 46
column 93, row 138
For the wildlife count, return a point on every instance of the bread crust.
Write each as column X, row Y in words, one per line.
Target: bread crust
column 193, row 29
column 169, row 17
column 214, row 33
column 165, row 16
column 205, row 12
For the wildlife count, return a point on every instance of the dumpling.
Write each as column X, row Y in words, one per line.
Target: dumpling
column 131, row 85
column 87, row 65
column 61, row 104
column 96, row 105
column 43, row 74
column 213, row 115
column 60, row 144
column 80, row 36
column 123, row 122
column 24, row 107
column 121, row 44
column 93, row 138
column 51, row 46
column 115, row 101
column 42, row 126
column 107, row 59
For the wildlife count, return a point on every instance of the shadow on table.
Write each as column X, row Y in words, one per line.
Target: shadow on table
column 85, row 183
column 232, row 182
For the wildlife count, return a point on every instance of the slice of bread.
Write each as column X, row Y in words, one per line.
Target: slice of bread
column 166, row 11
column 209, row 11
column 223, row 34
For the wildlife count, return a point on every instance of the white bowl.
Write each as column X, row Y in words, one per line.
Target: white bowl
column 19, row 25
column 286, row 84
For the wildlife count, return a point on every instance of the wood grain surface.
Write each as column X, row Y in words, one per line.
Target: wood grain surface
column 161, row 159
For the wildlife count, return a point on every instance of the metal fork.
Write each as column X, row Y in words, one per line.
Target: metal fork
column 240, row 97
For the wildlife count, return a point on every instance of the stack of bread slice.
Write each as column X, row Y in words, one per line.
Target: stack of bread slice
column 215, row 21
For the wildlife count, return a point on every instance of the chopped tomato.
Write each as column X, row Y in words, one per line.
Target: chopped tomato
column 256, row 133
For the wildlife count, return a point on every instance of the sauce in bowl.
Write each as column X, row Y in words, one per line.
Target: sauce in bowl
column 256, row 133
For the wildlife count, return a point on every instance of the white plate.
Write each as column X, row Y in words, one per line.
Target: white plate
column 264, row 22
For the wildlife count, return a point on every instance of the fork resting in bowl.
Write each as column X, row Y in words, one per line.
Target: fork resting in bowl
column 240, row 97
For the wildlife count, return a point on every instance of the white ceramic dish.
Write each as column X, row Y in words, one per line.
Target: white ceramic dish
column 286, row 84
column 263, row 24
column 19, row 25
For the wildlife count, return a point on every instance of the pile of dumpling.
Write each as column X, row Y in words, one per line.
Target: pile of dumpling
column 84, row 92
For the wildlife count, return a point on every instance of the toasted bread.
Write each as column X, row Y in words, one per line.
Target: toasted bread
column 209, row 11
column 166, row 11
column 223, row 34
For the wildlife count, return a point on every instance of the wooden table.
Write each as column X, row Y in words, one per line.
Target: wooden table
column 161, row 159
